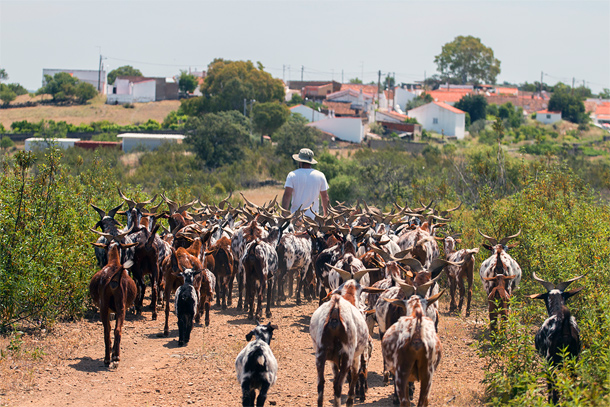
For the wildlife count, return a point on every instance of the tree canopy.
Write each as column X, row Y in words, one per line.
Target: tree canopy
column 126, row 70
column 268, row 117
column 63, row 87
column 187, row 83
column 475, row 105
column 569, row 104
column 218, row 138
column 467, row 59
column 228, row 83
column 295, row 135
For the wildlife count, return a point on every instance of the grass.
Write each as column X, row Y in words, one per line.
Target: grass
column 96, row 110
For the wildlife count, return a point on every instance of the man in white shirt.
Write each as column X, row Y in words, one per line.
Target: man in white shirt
column 304, row 185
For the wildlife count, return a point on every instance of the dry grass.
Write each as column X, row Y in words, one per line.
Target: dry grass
column 96, row 110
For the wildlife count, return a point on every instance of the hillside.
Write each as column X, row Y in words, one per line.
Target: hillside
column 96, row 110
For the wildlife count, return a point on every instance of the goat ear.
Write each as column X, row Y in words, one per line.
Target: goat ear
column 369, row 312
column 568, row 294
column 274, row 327
column 397, row 302
column 128, row 264
column 458, row 240
column 100, row 245
column 488, row 247
column 373, row 290
column 510, row 246
column 537, row 296
column 249, row 336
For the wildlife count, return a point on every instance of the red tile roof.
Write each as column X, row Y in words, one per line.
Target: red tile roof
column 451, row 96
column 370, row 89
column 507, row 91
column 546, row 111
column 340, row 108
column 449, row 107
column 602, row 109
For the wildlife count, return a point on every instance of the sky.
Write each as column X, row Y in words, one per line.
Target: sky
column 322, row 40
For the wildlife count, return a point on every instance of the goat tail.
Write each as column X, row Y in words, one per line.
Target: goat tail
column 566, row 323
column 334, row 320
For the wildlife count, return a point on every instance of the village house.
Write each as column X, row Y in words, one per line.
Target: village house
column 307, row 112
column 147, row 141
column 140, row 89
column 344, row 128
column 441, row 118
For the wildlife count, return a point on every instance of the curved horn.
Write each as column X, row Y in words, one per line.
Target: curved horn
column 408, row 289
column 99, row 211
column 507, row 238
column 222, row 203
column 437, row 266
column 248, row 202
column 106, row 235
column 130, row 202
column 546, row 284
column 563, row 285
column 344, row 274
column 491, row 239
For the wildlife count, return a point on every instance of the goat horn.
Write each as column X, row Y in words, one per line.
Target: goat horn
column 507, row 238
column 106, row 235
column 130, row 203
column 546, row 284
column 408, row 289
column 222, row 203
column 563, row 285
column 455, row 209
column 248, row 202
column 361, row 273
column 491, row 239
column 414, row 264
column 99, row 211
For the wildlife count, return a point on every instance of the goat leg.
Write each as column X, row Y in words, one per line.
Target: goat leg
column 320, row 362
column 105, row 317
column 269, row 296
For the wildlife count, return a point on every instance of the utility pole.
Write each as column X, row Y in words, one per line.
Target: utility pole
column 342, row 76
column 572, row 85
column 378, row 86
column 302, row 69
column 332, row 74
column 284, row 73
column 245, row 107
column 541, row 79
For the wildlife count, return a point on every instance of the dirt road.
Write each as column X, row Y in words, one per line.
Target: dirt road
column 154, row 371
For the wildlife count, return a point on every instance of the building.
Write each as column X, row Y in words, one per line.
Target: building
column 37, row 144
column 96, row 78
column 359, row 101
column 449, row 96
column 344, row 128
column 441, row 118
column 140, row 89
column 601, row 114
column 548, row 117
column 310, row 114
column 402, row 96
column 147, row 141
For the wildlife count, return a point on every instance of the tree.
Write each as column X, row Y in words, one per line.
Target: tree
column 605, row 94
column 6, row 143
column 7, row 96
column 60, row 86
column 469, row 60
column 187, row 83
column 570, row 105
column 389, row 82
column 475, row 105
column 356, row 81
column 229, row 83
column 84, row 91
column 418, row 101
column 218, row 138
column 3, row 74
column 268, row 117
column 126, row 70
column 295, row 135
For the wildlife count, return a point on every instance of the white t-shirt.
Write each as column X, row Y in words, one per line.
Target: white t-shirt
column 307, row 184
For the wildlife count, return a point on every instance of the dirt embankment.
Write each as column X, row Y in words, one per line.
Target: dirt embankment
column 65, row 367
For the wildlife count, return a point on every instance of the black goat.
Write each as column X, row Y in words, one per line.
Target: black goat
column 186, row 305
column 559, row 331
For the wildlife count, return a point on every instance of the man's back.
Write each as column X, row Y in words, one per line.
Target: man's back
column 307, row 184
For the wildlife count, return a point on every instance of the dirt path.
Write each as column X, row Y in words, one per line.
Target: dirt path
column 154, row 371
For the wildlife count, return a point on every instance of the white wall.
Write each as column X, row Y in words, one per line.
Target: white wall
column 152, row 142
column 447, row 122
column 310, row 114
column 88, row 76
column 402, row 97
column 128, row 92
column 37, row 144
column 344, row 128
column 144, row 91
column 548, row 118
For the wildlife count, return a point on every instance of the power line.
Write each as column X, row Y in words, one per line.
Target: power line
column 153, row 63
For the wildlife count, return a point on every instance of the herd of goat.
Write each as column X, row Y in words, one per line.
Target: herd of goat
column 365, row 266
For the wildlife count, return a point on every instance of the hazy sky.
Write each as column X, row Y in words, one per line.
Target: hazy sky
column 563, row 39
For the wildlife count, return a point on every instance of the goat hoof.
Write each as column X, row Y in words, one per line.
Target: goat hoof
column 180, row 343
column 106, row 362
column 207, row 322
column 268, row 314
column 197, row 320
column 224, row 306
column 154, row 317
column 395, row 400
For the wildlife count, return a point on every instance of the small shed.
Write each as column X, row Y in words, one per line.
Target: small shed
column 147, row 141
column 547, row 116
column 38, row 143
column 92, row 145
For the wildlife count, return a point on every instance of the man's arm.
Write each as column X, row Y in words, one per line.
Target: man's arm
column 325, row 201
column 286, row 198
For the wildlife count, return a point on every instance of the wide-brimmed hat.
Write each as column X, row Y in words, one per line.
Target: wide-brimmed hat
column 305, row 156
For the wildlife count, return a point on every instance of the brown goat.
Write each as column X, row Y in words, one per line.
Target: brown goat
column 223, row 269
column 113, row 291
column 498, row 297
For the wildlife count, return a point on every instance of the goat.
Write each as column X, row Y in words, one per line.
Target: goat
column 500, row 263
column 223, row 270
column 256, row 366
column 559, row 331
column 186, row 305
column 113, row 291
column 260, row 265
column 457, row 274
column 240, row 239
column 294, row 254
column 423, row 246
column 339, row 334
column 109, row 226
column 412, row 349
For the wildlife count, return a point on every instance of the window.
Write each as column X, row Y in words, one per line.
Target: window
column 435, row 120
column 548, row 116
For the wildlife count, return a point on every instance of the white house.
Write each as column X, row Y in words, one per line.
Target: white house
column 310, row 114
column 37, row 144
column 547, row 116
column 344, row 128
column 441, row 118
column 95, row 78
column 147, row 141
column 360, row 101
column 139, row 89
